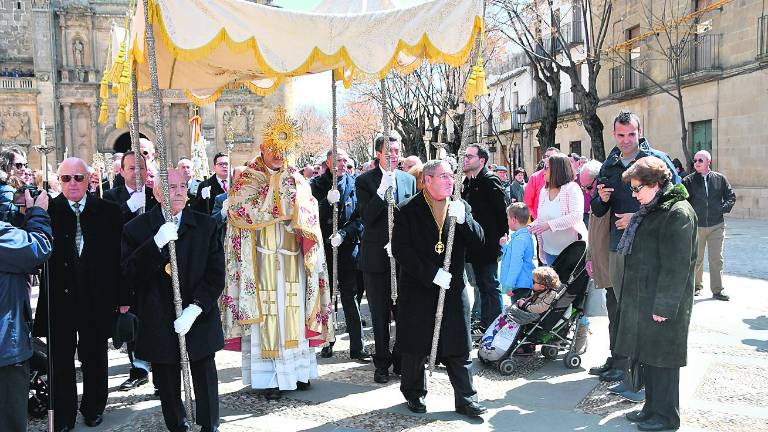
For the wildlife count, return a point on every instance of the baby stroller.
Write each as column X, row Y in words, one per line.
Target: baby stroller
column 37, row 407
column 556, row 328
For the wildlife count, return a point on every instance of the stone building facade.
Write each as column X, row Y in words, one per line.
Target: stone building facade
column 52, row 56
column 725, row 81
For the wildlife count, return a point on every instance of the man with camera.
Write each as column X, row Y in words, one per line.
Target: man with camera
column 22, row 251
column 84, row 276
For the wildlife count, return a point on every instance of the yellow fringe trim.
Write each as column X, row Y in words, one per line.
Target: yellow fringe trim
column 424, row 49
column 260, row 91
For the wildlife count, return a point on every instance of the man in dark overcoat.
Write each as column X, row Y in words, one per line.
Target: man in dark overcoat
column 214, row 185
column 131, row 201
column 419, row 246
column 200, row 259
column 373, row 259
column 84, row 276
column 349, row 229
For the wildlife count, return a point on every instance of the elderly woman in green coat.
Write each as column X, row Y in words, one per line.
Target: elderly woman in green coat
column 657, row 293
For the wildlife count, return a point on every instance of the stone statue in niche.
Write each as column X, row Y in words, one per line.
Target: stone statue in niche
column 78, row 55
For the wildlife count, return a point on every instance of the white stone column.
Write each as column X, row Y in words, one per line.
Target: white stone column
column 95, row 127
column 68, row 129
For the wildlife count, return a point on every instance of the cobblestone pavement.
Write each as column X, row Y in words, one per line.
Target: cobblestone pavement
column 724, row 387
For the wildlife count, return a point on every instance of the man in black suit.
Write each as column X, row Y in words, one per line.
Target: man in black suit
column 84, row 276
column 350, row 227
column 485, row 193
column 214, row 185
column 419, row 242
column 373, row 259
column 200, row 258
column 130, row 202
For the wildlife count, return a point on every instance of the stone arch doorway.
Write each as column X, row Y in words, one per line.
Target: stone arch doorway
column 123, row 142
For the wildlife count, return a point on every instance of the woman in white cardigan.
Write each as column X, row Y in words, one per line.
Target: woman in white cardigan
column 560, row 219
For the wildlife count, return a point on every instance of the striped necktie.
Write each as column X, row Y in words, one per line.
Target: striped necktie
column 78, row 229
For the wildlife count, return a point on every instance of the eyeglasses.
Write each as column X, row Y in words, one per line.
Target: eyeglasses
column 442, row 176
column 20, row 165
column 145, row 153
column 587, row 188
column 222, row 164
column 637, row 189
column 349, row 167
column 700, row 160
column 66, row 178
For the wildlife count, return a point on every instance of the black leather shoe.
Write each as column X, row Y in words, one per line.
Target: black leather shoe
column 272, row 394
column 381, row 376
column 655, row 423
column 94, row 421
column 302, row 385
column 65, row 429
column 134, row 382
column 417, row 405
column 361, row 356
column 326, row 352
column 638, row 416
column 721, row 296
column 612, row 375
column 474, row 409
column 599, row 370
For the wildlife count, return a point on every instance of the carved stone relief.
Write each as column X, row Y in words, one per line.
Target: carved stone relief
column 81, row 130
column 14, row 126
column 239, row 122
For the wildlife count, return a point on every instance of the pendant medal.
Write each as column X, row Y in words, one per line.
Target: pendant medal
column 439, row 247
column 168, row 269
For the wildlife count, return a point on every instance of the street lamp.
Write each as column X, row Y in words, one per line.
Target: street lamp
column 521, row 113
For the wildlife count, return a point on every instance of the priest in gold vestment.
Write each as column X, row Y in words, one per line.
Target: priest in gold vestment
column 276, row 302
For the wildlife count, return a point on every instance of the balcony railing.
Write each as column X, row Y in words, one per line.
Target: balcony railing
column 701, row 54
column 13, row 83
column 624, row 78
column 762, row 37
column 566, row 102
column 572, row 32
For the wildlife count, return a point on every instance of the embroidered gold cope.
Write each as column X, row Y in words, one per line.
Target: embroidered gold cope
column 272, row 218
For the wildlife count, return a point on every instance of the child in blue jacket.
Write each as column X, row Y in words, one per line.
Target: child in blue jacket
column 517, row 254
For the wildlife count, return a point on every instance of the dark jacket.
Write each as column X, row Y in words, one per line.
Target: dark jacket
column 621, row 200
column 9, row 212
column 485, row 194
column 83, row 289
column 373, row 211
column 709, row 206
column 22, row 250
column 413, row 244
column 200, row 259
column 349, row 224
column 658, row 280
column 221, row 220
column 119, row 195
column 205, row 205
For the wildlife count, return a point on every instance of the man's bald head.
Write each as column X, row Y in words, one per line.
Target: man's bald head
column 701, row 161
column 73, row 173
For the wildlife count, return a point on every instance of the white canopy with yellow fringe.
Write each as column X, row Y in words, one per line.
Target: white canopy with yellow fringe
column 204, row 46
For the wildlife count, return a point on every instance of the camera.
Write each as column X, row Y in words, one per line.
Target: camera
column 18, row 196
column 602, row 180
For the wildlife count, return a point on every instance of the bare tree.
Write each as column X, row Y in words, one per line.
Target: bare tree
column 358, row 127
column 671, row 37
column 315, row 133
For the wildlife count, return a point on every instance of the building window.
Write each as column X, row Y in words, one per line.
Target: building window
column 575, row 147
column 700, row 136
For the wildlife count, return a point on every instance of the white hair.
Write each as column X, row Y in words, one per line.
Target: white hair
column 705, row 153
column 74, row 160
column 591, row 168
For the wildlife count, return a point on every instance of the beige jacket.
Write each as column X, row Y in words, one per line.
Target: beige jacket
column 598, row 247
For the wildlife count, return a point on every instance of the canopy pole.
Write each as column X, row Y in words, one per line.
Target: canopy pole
column 458, row 179
column 134, row 131
column 334, row 187
column 389, row 195
column 162, row 152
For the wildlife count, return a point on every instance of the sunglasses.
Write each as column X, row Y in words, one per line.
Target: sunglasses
column 145, row 153
column 695, row 160
column 637, row 189
column 66, row 178
column 20, row 165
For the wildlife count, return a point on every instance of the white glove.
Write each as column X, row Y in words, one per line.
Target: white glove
column 205, row 193
column 336, row 240
column 184, row 322
column 224, row 207
column 136, row 201
column 387, row 181
column 165, row 234
column 388, row 248
column 457, row 210
column 442, row 279
column 333, row 196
